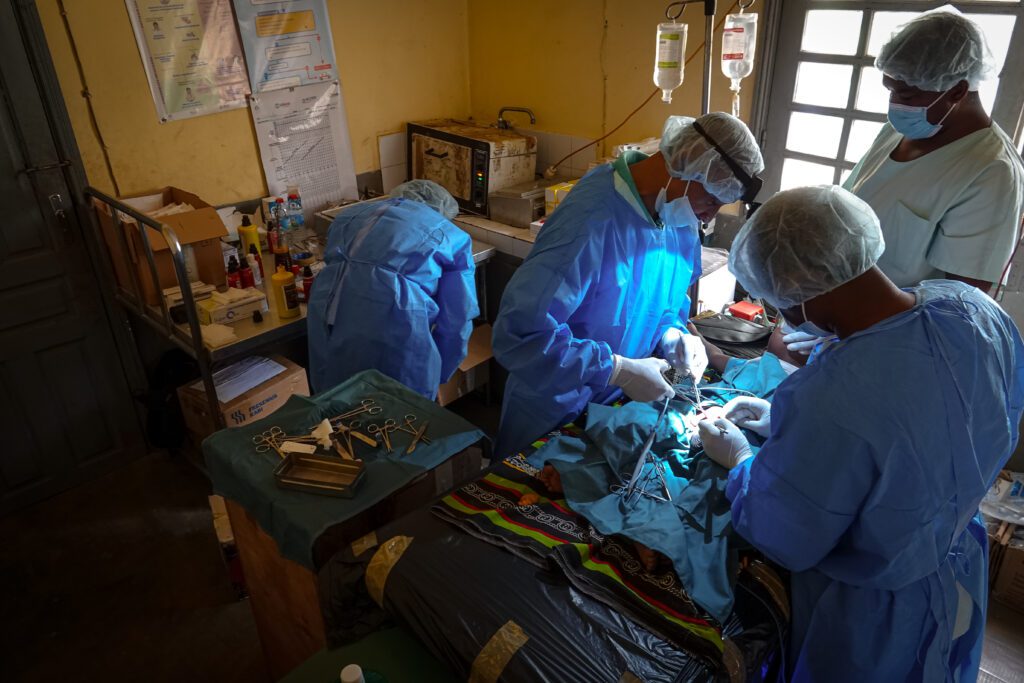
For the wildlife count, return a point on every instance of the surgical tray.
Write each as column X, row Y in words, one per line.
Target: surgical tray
column 327, row 476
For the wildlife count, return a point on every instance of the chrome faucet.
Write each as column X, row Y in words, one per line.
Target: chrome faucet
column 503, row 124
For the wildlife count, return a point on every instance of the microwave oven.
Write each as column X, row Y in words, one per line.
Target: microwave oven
column 469, row 160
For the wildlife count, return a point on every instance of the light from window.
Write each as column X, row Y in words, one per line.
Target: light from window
column 831, row 32
column 826, row 85
column 883, row 25
column 997, row 29
column 871, row 94
column 798, row 173
column 814, row 134
column 862, row 134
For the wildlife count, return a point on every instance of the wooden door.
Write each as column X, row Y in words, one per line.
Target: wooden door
column 65, row 409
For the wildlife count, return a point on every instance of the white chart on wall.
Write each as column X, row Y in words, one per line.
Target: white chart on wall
column 304, row 142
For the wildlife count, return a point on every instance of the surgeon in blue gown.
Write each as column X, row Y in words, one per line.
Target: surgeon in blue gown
column 605, row 286
column 397, row 294
column 877, row 452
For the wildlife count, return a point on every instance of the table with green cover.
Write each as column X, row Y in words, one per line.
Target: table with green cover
column 295, row 519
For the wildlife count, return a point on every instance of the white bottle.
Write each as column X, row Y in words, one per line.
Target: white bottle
column 668, row 59
column 352, row 674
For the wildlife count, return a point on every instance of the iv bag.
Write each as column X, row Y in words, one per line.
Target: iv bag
column 668, row 60
column 739, row 36
column 738, row 39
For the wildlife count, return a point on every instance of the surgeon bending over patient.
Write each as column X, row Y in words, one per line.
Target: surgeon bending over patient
column 877, row 452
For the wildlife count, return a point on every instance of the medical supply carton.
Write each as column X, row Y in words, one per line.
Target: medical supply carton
column 474, row 371
column 555, row 195
column 254, row 404
column 199, row 230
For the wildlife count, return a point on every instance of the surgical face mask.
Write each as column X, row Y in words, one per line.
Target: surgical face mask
column 807, row 326
column 678, row 212
column 912, row 122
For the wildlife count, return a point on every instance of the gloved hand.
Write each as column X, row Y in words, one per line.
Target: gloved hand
column 801, row 342
column 750, row 413
column 724, row 442
column 641, row 379
column 685, row 352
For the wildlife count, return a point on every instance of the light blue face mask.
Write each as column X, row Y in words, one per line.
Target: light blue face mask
column 677, row 213
column 912, row 122
column 807, row 326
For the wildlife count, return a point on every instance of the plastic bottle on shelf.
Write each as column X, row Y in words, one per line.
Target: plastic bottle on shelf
column 234, row 279
column 295, row 217
column 307, row 282
column 282, row 251
column 245, row 274
column 286, row 299
column 256, row 263
column 278, row 211
column 248, row 235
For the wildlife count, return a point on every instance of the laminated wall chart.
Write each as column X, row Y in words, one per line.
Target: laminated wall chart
column 191, row 54
column 297, row 104
column 303, row 138
column 287, row 42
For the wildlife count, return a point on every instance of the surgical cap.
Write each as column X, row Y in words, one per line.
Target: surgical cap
column 805, row 242
column 691, row 157
column 429, row 193
column 935, row 51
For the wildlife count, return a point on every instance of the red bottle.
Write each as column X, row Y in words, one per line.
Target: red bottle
column 245, row 275
column 307, row 282
column 234, row 279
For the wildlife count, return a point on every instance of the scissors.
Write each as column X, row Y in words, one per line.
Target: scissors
column 367, row 405
column 269, row 440
column 382, row 432
column 352, row 429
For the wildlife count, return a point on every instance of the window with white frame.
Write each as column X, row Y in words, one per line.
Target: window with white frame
column 825, row 101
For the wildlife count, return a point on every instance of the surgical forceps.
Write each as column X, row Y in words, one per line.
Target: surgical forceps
column 382, row 432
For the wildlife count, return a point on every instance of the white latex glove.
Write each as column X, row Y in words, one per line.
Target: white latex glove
column 800, row 342
column 724, row 442
column 750, row 413
column 641, row 379
column 685, row 352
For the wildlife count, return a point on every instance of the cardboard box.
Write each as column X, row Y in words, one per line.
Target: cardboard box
column 231, row 306
column 474, row 370
column 200, row 230
column 254, row 404
column 1009, row 584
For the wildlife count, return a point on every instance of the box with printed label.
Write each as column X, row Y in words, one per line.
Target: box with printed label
column 254, row 404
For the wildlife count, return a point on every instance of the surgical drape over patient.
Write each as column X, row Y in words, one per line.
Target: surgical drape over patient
column 793, row 249
column 936, row 51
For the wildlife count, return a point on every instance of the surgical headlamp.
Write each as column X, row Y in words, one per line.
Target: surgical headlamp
column 751, row 184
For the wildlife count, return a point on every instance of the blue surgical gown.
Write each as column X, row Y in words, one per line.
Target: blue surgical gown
column 601, row 279
column 397, row 295
column 868, row 489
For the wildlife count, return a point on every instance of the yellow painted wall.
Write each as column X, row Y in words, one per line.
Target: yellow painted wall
column 399, row 60
column 580, row 78
column 581, row 65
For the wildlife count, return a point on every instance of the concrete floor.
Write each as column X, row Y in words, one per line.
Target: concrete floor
column 121, row 580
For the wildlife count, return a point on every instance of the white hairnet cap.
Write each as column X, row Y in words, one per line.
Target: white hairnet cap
column 935, row 51
column 431, row 194
column 690, row 157
column 805, row 242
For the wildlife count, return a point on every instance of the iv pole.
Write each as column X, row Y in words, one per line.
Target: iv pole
column 709, row 35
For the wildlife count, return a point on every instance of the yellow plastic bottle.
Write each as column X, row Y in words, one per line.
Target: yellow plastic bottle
column 286, row 297
column 248, row 234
